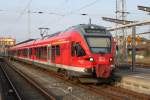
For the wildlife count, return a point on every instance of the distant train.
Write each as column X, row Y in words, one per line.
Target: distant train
column 79, row 51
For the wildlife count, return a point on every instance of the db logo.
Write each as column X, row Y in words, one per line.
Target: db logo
column 101, row 59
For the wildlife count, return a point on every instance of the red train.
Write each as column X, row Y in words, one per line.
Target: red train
column 82, row 50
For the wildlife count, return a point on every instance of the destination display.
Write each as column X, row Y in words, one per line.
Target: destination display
column 90, row 31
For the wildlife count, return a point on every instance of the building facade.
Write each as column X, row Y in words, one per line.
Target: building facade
column 5, row 44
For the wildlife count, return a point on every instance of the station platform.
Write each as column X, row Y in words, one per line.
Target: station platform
column 0, row 93
column 1, row 88
column 138, row 80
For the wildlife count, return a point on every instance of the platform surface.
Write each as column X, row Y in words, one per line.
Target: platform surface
column 138, row 80
column 0, row 94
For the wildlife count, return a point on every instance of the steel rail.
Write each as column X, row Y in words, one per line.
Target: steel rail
column 120, row 95
column 13, row 87
column 34, row 83
column 128, row 92
column 138, row 64
column 104, row 91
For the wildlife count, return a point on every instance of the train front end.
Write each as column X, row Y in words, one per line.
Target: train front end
column 102, row 54
column 102, row 51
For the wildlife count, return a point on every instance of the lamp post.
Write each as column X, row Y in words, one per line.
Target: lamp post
column 29, row 23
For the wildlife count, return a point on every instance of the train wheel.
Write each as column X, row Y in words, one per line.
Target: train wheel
column 76, row 79
column 66, row 75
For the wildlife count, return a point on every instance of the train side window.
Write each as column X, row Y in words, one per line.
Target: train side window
column 79, row 50
column 24, row 52
column 48, row 52
column 38, row 52
column 53, row 53
column 44, row 53
column 19, row 54
column 30, row 51
column 57, row 50
column 53, row 50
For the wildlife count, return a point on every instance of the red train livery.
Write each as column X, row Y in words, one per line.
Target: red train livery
column 82, row 50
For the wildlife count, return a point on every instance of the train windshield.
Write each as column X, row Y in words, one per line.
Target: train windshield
column 99, row 44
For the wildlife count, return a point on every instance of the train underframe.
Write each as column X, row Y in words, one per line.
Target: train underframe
column 82, row 77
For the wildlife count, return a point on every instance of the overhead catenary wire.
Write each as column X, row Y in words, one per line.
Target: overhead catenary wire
column 83, row 7
column 18, row 17
column 24, row 10
column 76, row 10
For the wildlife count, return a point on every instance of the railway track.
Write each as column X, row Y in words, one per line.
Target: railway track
column 8, row 91
column 143, row 65
column 22, row 87
column 117, row 93
column 106, row 91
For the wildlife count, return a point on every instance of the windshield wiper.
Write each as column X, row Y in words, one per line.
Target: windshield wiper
column 101, row 52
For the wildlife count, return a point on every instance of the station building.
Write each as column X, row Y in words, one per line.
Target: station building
column 5, row 44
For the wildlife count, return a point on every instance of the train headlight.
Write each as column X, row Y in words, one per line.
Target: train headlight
column 110, row 59
column 91, row 59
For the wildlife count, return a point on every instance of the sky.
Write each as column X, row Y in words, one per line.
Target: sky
column 58, row 15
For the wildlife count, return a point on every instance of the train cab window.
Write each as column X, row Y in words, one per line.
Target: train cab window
column 73, row 49
column 78, row 50
column 57, row 50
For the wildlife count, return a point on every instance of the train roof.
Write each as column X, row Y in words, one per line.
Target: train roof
column 90, row 29
column 85, row 26
column 83, row 29
column 29, row 40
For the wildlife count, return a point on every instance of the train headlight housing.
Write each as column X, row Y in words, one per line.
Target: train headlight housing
column 112, row 66
column 91, row 59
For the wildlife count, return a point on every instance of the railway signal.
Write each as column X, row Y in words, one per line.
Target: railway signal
column 137, row 39
column 129, row 39
column 123, row 45
column 133, row 26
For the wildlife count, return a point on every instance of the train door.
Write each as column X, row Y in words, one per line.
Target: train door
column 56, row 54
column 53, row 54
column 48, row 53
